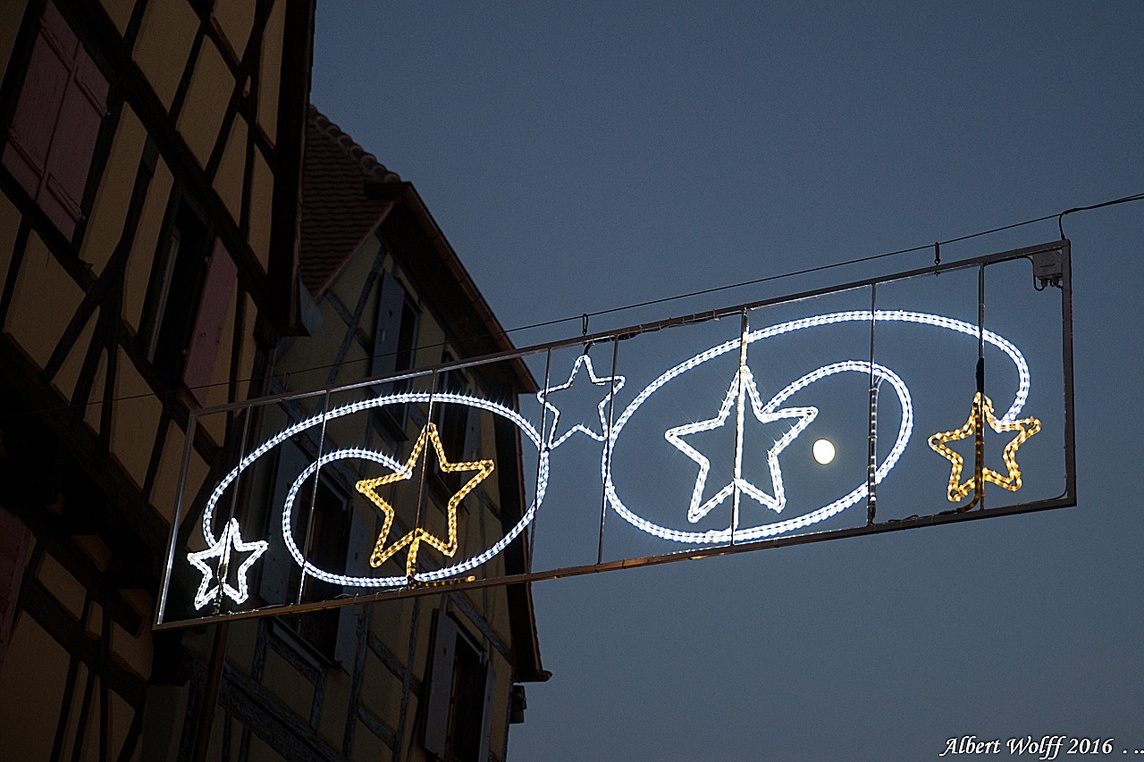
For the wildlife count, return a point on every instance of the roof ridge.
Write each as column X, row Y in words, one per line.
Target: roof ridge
column 370, row 166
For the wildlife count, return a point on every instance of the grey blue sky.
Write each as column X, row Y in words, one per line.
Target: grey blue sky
column 583, row 156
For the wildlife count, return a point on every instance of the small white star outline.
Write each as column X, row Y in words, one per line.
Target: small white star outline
column 615, row 383
column 742, row 385
column 230, row 540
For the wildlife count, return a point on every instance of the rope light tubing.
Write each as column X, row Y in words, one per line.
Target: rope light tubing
column 741, row 392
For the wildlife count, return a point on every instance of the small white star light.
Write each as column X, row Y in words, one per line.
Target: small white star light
column 228, row 542
column 742, row 386
column 614, row 384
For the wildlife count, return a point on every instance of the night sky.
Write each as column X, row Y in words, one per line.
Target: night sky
column 581, row 157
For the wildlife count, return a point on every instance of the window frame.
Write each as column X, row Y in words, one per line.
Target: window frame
column 193, row 283
column 443, row 706
column 280, row 575
column 396, row 330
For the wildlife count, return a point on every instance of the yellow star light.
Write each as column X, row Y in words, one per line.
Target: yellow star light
column 414, row 538
column 1026, row 427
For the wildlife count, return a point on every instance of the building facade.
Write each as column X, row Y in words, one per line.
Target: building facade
column 157, row 257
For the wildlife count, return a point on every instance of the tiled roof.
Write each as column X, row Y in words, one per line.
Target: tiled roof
column 336, row 215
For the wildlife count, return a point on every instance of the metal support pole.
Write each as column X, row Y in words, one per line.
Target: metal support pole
column 872, row 421
column 420, row 516
column 607, row 449
column 978, row 500
column 1067, row 352
column 314, row 492
column 736, row 493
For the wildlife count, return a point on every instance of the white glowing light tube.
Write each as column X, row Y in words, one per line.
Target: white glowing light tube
column 716, row 536
column 742, row 386
column 229, row 542
column 879, row 372
column 614, row 384
column 387, row 461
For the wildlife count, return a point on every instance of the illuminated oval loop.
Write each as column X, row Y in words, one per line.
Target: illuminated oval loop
column 388, row 462
column 880, row 372
column 921, row 318
column 716, row 536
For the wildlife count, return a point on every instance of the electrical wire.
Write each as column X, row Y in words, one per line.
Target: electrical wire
column 809, row 270
column 586, row 316
column 1100, row 205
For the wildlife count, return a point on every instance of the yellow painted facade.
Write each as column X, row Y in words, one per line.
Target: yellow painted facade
column 165, row 278
column 43, row 302
column 78, row 313
column 109, row 212
column 119, row 11
column 200, row 118
column 166, row 37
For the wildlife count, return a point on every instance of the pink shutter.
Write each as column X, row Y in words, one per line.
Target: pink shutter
column 213, row 308
column 73, row 145
column 56, row 124
column 15, row 542
column 30, row 136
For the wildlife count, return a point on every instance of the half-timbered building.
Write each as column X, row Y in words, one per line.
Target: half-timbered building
column 161, row 252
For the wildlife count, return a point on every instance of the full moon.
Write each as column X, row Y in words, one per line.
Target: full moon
column 823, row 450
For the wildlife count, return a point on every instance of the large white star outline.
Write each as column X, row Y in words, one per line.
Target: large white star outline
column 742, row 386
column 615, row 383
column 231, row 540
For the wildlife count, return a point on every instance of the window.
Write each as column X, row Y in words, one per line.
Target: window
column 329, row 537
column 394, row 348
column 56, row 124
column 395, row 337
column 459, row 713
column 457, row 426
column 339, row 543
column 450, row 418
column 192, row 285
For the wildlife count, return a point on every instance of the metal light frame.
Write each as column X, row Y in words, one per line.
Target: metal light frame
column 1051, row 266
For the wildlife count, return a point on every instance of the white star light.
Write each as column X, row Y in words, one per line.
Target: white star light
column 231, row 540
column 742, row 386
column 371, row 403
column 615, row 383
column 879, row 372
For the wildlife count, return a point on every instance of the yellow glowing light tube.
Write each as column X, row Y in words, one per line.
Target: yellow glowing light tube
column 415, row 537
column 1026, row 427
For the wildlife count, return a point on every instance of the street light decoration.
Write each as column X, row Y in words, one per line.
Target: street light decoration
column 418, row 535
column 983, row 409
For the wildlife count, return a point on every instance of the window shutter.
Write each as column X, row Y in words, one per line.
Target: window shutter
column 472, row 449
column 15, row 542
column 275, row 583
column 56, row 124
column 213, row 308
column 356, row 565
column 440, row 684
column 390, row 302
column 487, row 712
column 30, row 136
column 73, row 144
